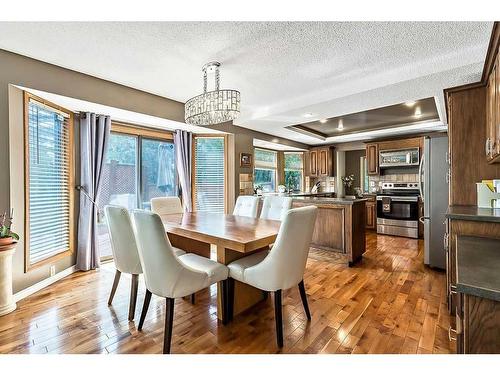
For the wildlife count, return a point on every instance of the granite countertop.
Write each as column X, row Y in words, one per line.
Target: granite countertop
column 473, row 213
column 319, row 200
column 478, row 265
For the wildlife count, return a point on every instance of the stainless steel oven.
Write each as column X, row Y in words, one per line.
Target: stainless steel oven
column 397, row 209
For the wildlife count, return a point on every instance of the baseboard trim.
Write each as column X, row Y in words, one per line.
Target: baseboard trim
column 43, row 284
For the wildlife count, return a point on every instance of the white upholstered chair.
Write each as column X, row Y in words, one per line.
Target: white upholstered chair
column 282, row 267
column 169, row 276
column 274, row 208
column 166, row 205
column 246, row 205
column 124, row 249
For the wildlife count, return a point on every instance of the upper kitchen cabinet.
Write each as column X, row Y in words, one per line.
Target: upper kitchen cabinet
column 321, row 162
column 372, row 158
column 492, row 141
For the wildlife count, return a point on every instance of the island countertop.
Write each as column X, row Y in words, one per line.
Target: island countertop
column 473, row 213
column 333, row 201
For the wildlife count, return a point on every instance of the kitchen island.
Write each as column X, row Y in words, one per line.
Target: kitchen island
column 340, row 225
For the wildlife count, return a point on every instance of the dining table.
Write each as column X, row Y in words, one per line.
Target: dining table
column 231, row 236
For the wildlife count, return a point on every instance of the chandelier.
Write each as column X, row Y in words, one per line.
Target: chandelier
column 212, row 107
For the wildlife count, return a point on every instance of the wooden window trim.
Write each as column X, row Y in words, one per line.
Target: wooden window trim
column 51, row 259
column 226, row 169
column 131, row 129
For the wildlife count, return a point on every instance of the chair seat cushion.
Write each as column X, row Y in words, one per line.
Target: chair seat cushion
column 238, row 267
column 215, row 271
column 178, row 252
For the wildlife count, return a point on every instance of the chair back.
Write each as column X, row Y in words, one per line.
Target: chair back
column 123, row 243
column 274, row 208
column 246, row 205
column 163, row 273
column 166, row 206
column 284, row 266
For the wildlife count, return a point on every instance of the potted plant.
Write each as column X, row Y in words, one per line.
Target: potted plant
column 258, row 189
column 8, row 241
column 347, row 181
column 7, row 236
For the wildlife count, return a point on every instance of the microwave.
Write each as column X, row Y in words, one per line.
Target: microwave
column 399, row 158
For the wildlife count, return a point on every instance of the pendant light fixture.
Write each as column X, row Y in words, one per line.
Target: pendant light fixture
column 212, row 107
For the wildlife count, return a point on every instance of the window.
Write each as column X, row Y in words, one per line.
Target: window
column 294, row 170
column 49, row 194
column 209, row 188
column 139, row 166
column 265, row 169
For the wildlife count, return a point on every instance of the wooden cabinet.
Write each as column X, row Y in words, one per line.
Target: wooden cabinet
column 321, row 162
column 492, row 141
column 372, row 158
column 371, row 212
column 313, row 163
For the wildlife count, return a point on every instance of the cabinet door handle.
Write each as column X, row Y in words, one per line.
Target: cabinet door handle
column 488, row 146
column 451, row 338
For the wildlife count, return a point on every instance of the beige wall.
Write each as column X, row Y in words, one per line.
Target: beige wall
column 243, row 143
column 23, row 71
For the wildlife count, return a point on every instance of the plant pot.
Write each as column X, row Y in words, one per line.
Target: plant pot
column 7, row 303
column 6, row 241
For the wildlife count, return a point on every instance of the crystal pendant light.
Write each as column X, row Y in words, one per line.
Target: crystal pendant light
column 212, row 107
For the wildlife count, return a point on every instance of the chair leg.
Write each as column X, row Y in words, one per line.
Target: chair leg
column 169, row 321
column 133, row 297
column 145, row 307
column 115, row 285
column 192, row 299
column 230, row 299
column 278, row 317
column 224, row 301
column 303, row 296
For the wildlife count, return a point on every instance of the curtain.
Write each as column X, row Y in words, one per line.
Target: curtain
column 94, row 136
column 183, row 142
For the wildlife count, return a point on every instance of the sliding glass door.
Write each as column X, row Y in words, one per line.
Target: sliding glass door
column 137, row 168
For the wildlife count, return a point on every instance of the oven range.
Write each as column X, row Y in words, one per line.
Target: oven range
column 397, row 209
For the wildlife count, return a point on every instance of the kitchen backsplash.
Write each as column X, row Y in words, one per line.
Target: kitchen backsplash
column 327, row 184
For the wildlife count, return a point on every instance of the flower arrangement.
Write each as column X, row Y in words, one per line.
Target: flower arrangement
column 5, row 225
column 348, row 180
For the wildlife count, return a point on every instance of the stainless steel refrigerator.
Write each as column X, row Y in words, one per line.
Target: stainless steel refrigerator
column 434, row 193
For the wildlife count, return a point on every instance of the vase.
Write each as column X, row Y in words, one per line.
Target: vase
column 7, row 303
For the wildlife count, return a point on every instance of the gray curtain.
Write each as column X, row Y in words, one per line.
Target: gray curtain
column 183, row 142
column 94, row 137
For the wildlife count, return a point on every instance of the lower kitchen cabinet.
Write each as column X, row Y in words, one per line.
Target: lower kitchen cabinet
column 371, row 212
column 477, row 325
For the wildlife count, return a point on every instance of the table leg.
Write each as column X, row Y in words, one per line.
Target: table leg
column 189, row 245
column 245, row 296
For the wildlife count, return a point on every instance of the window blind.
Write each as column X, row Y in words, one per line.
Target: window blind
column 48, row 182
column 209, row 174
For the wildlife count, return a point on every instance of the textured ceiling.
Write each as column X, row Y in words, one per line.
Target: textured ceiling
column 283, row 69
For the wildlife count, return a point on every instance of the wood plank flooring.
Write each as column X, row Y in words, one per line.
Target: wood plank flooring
column 388, row 303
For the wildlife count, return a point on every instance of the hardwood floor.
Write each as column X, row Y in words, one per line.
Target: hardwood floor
column 388, row 303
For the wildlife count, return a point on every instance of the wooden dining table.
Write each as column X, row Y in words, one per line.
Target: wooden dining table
column 232, row 236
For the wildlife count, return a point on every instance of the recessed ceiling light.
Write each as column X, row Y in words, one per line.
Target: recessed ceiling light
column 410, row 103
column 308, row 114
column 323, row 120
column 341, row 125
column 418, row 112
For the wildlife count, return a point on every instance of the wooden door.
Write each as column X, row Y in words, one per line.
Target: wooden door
column 313, row 163
column 323, row 162
column 372, row 158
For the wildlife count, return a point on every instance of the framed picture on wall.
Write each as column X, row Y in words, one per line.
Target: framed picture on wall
column 245, row 160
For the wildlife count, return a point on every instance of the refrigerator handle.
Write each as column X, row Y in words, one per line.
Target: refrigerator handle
column 420, row 180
